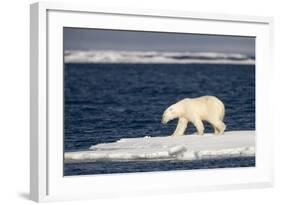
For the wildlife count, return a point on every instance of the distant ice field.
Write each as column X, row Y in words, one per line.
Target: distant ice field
column 76, row 56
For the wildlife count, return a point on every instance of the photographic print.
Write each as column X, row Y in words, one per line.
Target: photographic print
column 141, row 101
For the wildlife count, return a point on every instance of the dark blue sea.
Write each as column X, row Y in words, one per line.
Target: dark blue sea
column 106, row 102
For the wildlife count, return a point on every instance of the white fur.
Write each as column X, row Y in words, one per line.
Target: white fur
column 196, row 110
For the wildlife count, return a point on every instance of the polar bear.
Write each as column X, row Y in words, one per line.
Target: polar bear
column 196, row 110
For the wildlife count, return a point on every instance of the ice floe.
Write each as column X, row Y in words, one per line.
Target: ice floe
column 187, row 147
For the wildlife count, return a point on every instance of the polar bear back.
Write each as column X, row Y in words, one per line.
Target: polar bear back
column 205, row 107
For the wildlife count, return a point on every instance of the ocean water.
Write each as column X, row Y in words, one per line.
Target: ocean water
column 106, row 102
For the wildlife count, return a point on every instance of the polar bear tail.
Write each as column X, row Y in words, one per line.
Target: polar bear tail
column 222, row 112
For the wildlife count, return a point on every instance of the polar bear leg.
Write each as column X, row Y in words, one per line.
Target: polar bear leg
column 182, row 124
column 199, row 126
column 220, row 126
column 216, row 130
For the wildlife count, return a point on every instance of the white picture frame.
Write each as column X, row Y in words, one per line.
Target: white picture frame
column 46, row 151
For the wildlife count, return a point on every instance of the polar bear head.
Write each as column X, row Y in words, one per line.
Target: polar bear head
column 170, row 113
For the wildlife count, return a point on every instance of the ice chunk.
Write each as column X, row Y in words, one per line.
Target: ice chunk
column 177, row 150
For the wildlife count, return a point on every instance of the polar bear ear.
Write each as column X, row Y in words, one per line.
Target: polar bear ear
column 171, row 109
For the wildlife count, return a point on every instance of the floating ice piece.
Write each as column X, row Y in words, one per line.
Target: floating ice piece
column 188, row 147
column 177, row 149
